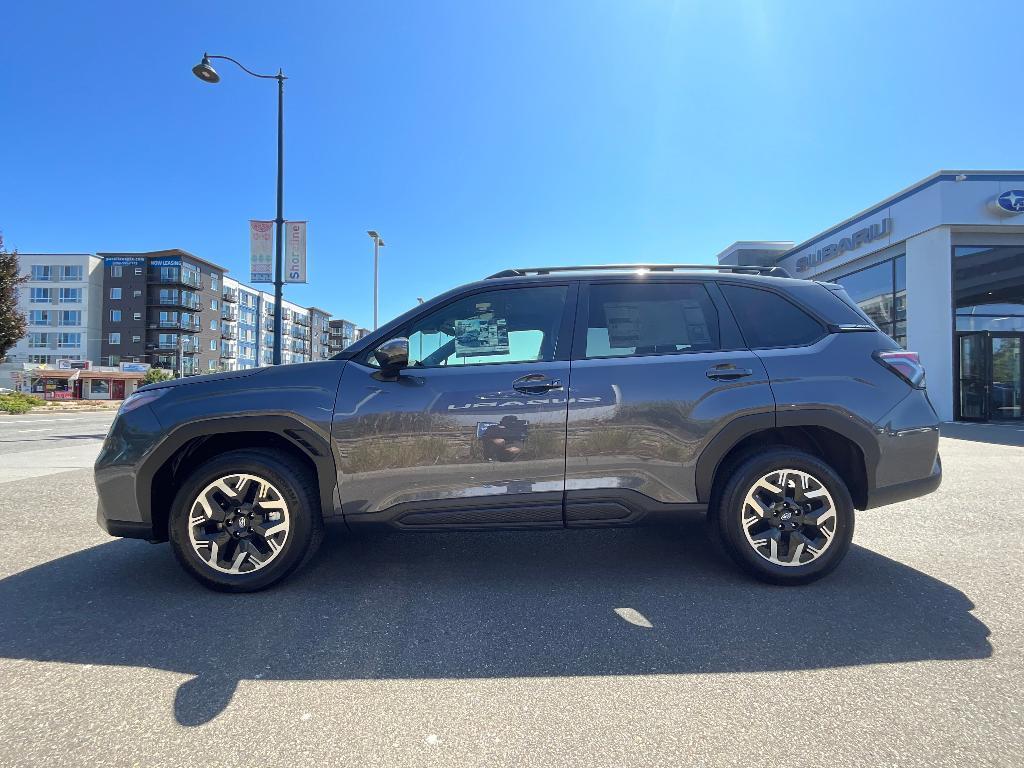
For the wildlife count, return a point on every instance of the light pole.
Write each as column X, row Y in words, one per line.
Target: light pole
column 205, row 72
column 378, row 243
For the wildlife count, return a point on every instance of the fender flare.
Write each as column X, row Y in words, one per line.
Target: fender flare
column 306, row 437
column 855, row 430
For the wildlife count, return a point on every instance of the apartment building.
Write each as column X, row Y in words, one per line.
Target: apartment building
column 170, row 308
column 61, row 301
column 341, row 334
column 319, row 320
column 162, row 308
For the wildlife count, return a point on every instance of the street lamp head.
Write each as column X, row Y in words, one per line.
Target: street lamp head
column 205, row 71
column 373, row 233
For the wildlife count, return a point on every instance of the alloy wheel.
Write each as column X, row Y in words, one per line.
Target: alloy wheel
column 239, row 523
column 789, row 517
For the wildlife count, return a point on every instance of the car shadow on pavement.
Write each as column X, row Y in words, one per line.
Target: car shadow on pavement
column 464, row 605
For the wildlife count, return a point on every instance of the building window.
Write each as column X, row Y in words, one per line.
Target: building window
column 213, row 282
column 70, row 272
column 988, row 288
column 115, row 315
column 881, row 292
column 71, row 317
column 213, row 325
column 100, row 386
column 136, row 294
column 117, row 271
column 115, row 293
column 39, row 295
column 40, row 272
column 136, row 315
column 213, row 303
column 136, row 339
column 114, row 338
column 38, row 317
column 70, row 340
column 138, row 270
column 38, row 340
column 70, row 295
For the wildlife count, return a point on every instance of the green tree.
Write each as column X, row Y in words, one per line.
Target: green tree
column 12, row 322
column 154, row 375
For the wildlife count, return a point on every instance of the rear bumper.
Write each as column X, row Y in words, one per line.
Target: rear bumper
column 909, row 489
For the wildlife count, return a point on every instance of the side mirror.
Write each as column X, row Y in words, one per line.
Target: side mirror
column 392, row 355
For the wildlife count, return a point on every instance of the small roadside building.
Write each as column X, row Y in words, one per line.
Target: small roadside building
column 80, row 380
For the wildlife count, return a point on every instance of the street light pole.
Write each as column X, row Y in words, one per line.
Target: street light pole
column 205, row 72
column 378, row 243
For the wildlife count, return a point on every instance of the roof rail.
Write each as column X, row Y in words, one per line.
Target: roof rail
column 751, row 269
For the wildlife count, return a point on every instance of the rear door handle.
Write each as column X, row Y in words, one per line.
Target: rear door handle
column 535, row 384
column 728, row 372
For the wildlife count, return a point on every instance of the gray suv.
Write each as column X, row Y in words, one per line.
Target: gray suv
column 560, row 397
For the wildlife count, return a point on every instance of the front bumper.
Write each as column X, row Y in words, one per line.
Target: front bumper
column 119, row 510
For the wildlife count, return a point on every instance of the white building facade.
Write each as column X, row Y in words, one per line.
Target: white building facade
column 62, row 302
column 938, row 266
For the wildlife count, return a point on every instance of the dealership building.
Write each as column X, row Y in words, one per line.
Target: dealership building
column 938, row 266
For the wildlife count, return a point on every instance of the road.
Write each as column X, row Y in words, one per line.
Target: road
column 602, row 648
column 37, row 445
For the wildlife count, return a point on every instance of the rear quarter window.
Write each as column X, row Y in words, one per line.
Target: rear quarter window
column 767, row 319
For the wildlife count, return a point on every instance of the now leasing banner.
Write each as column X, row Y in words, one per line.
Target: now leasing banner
column 261, row 253
column 295, row 252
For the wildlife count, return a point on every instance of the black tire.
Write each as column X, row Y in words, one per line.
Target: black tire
column 296, row 486
column 727, row 512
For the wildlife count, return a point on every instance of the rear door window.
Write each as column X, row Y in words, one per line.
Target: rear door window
column 627, row 319
column 767, row 319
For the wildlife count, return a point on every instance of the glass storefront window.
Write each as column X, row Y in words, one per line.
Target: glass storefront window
column 989, row 280
column 881, row 292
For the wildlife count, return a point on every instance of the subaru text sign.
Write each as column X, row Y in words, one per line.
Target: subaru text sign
column 855, row 240
column 1010, row 202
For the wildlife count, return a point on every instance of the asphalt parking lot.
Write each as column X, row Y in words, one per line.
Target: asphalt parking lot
column 605, row 648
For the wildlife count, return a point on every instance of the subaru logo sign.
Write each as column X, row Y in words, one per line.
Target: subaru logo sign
column 1011, row 201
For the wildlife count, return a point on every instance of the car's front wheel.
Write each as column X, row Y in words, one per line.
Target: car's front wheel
column 245, row 520
column 784, row 516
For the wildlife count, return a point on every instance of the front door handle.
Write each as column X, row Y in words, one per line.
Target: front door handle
column 728, row 372
column 535, row 384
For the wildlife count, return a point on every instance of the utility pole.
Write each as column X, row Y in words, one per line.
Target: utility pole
column 378, row 243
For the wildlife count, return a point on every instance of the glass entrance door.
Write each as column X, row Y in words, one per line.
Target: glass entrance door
column 991, row 376
column 972, row 389
column 1005, row 390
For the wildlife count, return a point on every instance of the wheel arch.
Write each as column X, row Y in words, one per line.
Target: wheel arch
column 191, row 444
column 847, row 446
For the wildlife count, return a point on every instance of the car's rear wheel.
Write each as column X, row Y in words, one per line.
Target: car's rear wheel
column 784, row 516
column 245, row 520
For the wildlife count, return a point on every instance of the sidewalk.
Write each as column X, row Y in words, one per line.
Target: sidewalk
column 1007, row 433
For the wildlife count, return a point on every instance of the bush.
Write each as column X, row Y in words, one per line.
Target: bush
column 155, row 375
column 18, row 402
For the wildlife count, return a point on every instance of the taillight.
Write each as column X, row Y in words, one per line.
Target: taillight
column 906, row 365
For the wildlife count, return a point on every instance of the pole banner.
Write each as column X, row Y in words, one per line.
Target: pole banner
column 295, row 252
column 261, row 252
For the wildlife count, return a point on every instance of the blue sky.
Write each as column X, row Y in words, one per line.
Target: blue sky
column 482, row 135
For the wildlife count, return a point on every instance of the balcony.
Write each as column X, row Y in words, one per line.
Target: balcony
column 230, row 295
column 228, row 333
column 188, row 328
column 187, row 348
column 177, row 299
column 229, row 352
column 229, row 313
column 175, row 279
